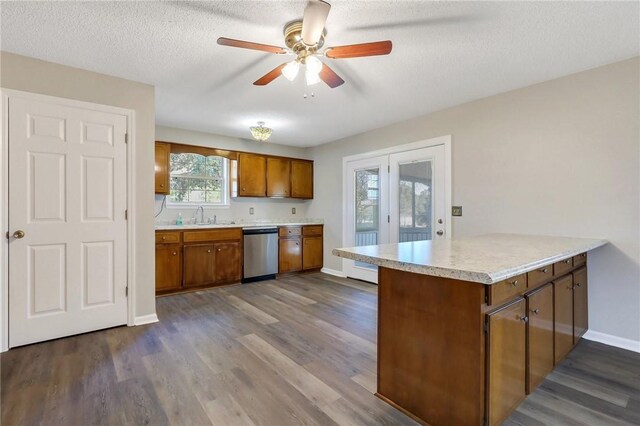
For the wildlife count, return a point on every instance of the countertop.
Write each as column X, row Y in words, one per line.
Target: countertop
column 244, row 225
column 486, row 259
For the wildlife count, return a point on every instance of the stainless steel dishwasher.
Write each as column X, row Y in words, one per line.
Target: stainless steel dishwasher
column 260, row 253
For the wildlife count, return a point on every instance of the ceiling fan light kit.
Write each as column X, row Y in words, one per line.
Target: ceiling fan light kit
column 260, row 133
column 304, row 39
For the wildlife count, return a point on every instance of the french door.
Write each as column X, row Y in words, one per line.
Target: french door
column 394, row 198
column 68, row 235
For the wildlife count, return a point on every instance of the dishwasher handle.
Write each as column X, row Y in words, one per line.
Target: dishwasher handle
column 259, row 231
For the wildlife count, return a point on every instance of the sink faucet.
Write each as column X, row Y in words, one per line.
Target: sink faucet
column 201, row 210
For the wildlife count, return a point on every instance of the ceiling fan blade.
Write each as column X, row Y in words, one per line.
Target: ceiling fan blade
column 270, row 76
column 359, row 50
column 223, row 41
column 315, row 17
column 329, row 76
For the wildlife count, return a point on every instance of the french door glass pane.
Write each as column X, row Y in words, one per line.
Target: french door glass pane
column 416, row 201
column 367, row 200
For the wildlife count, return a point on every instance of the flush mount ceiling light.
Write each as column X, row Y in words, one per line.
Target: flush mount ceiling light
column 259, row 132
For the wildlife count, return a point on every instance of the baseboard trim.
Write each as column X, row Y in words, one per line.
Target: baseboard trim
column 333, row 272
column 145, row 319
column 611, row 340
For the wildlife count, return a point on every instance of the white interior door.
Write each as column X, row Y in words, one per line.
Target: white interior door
column 417, row 195
column 367, row 210
column 67, row 228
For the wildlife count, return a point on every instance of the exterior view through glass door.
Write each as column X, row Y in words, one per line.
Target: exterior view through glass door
column 395, row 198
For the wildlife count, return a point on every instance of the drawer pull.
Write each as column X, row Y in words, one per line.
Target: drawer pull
column 208, row 251
column 568, row 261
column 536, row 311
column 219, row 249
column 164, row 238
column 544, row 270
column 524, row 319
column 174, row 253
column 514, row 283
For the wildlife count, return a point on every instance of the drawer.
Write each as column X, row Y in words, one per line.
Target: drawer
column 165, row 237
column 289, row 231
column 212, row 235
column 539, row 276
column 580, row 259
column 562, row 267
column 507, row 289
column 312, row 230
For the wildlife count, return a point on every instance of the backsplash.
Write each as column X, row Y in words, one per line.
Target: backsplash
column 238, row 211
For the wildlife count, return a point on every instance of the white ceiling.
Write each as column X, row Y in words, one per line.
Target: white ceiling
column 444, row 54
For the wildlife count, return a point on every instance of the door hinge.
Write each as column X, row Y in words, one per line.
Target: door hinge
column 388, row 218
column 126, row 138
column 388, row 168
column 7, row 235
column 126, row 215
column 126, row 291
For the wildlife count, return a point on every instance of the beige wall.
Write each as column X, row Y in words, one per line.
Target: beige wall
column 557, row 158
column 264, row 208
column 33, row 75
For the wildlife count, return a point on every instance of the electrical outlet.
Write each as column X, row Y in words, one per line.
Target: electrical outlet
column 250, row 210
column 456, row 210
column 293, row 210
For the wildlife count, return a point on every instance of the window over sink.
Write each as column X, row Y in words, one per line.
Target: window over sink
column 198, row 180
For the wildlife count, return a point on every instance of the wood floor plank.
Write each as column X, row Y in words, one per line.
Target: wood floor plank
column 299, row 350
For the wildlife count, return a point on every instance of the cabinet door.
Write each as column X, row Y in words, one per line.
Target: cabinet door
column 252, row 175
column 506, row 360
column 540, row 336
column 563, row 295
column 311, row 253
column 228, row 262
column 163, row 150
column 278, row 177
column 580, row 300
column 198, row 265
column 168, row 267
column 302, row 179
column 290, row 258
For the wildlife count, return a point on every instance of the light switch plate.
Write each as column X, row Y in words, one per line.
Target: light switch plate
column 293, row 210
column 456, row 210
column 250, row 210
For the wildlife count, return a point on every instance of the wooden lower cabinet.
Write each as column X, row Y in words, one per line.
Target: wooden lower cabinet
column 580, row 302
column 168, row 267
column 227, row 262
column 506, row 360
column 290, row 255
column 311, row 253
column 198, row 265
column 563, row 295
column 540, row 357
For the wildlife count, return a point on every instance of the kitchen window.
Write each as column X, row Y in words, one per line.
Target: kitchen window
column 198, row 180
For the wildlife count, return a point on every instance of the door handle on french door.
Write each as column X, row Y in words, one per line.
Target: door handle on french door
column 18, row 234
column 440, row 233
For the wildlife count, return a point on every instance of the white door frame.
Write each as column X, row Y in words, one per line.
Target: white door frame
column 4, row 196
column 427, row 143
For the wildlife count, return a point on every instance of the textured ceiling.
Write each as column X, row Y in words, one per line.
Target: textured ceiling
column 444, row 53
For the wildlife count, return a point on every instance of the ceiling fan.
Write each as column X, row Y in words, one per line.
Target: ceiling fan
column 304, row 39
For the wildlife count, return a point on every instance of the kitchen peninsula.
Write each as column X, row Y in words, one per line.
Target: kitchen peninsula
column 468, row 327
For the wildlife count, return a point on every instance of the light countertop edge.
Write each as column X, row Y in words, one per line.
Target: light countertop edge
column 466, row 274
column 191, row 227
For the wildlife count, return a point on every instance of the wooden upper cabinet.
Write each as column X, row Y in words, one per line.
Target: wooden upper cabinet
column 163, row 151
column 278, row 177
column 506, row 366
column 540, row 335
column 563, row 293
column 252, row 175
column 302, row 179
column 580, row 301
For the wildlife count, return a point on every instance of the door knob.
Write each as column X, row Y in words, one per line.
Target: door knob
column 440, row 233
column 18, row 234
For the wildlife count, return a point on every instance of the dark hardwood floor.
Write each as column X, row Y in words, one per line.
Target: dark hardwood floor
column 299, row 350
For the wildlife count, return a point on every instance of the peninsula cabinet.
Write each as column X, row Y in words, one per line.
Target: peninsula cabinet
column 540, row 357
column 163, row 151
column 194, row 259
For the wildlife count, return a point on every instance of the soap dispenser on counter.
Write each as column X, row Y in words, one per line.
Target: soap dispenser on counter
column 179, row 219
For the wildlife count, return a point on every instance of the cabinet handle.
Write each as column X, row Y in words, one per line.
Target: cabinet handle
column 568, row 261
column 219, row 249
column 514, row 283
column 162, row 185
column 524, row 319
column 208, row 251
column 164, row 238
column 244, row 189
column 577, row 284
column 544, row 270
column 536, row 311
